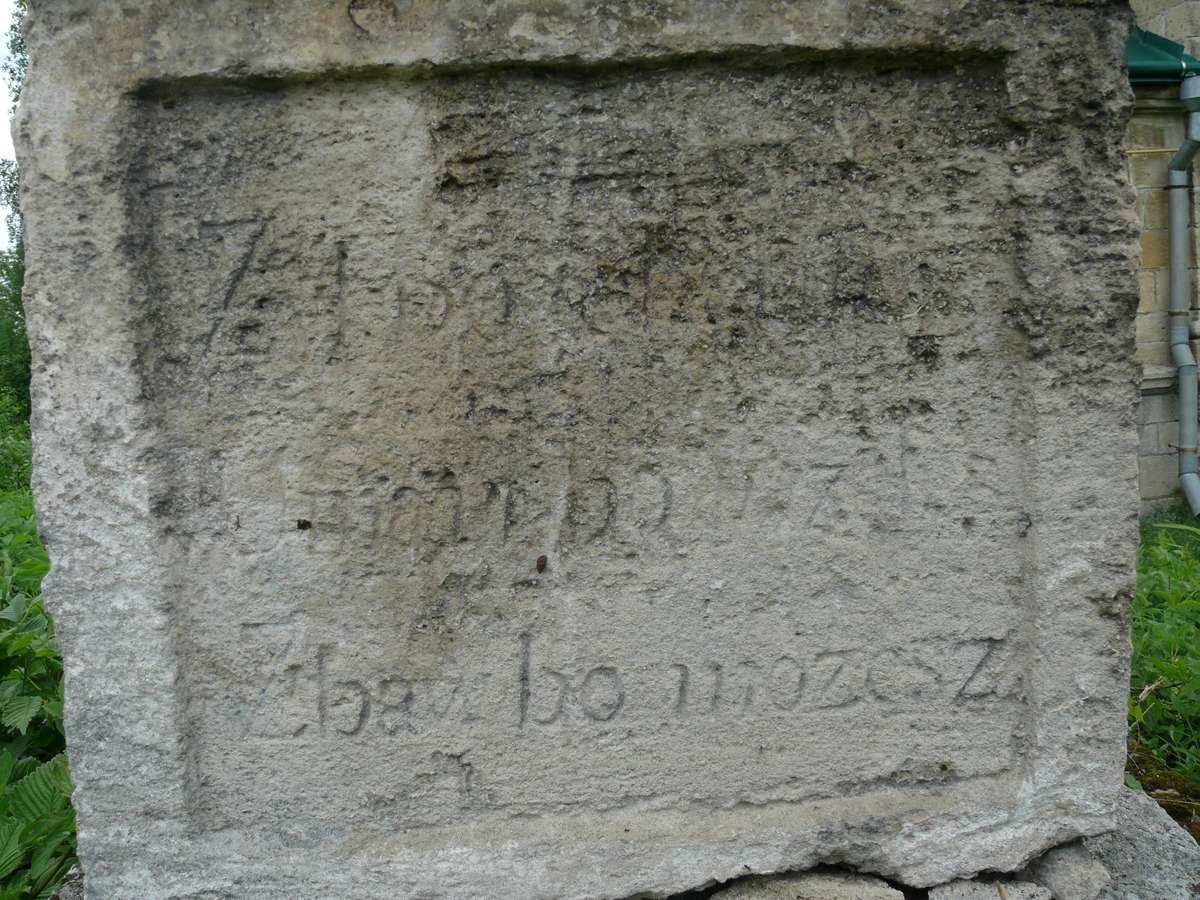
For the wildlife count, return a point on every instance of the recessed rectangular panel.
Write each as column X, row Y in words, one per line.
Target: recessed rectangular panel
column 539, row 460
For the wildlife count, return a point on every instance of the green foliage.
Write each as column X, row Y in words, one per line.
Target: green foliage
column 14, row 443
column 37, row 828
column 14, row 341
column 10, row 197
column 37, row 822
column 17, row 60
column 1164, row 705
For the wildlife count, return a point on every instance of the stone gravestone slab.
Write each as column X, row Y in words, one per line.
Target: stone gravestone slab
column 502, row 449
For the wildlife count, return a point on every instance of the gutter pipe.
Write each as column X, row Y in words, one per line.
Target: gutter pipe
column 1154, row 59
column 1178, row 219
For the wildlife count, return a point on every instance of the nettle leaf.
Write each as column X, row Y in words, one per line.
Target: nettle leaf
column 36, row 625
column 50, row 863
column 24, row 765
column 33, row 570
column 54, row 712
column 6, row 767
column 12, row 854
column 18, row 711
column 20, row 642
column 54, row 830
column 15, row 609
column 49, row 855
column 41, row 791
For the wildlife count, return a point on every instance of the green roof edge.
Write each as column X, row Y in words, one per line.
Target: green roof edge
column 1154, row 59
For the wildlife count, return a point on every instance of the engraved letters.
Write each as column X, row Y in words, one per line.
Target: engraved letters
column 548, row 692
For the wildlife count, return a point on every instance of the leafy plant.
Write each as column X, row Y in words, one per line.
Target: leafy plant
column 14, row 340
column 16, row 61
column 37, row 822
column 1164, row 705
column 30, row 665
column 37, row 828
column 14, row 444
column 14, row 343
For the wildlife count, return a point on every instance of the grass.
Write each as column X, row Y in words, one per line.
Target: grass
column 1164, row 702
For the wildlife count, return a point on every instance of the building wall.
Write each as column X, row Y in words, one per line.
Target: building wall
column 1155, row 131
column 1176, row 19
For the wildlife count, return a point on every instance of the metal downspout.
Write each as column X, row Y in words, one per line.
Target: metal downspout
column 1179, row 217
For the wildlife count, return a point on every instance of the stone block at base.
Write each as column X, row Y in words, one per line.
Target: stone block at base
column 1071, row 872
column 811, row 886
column 1149, row 856
column 990, row 890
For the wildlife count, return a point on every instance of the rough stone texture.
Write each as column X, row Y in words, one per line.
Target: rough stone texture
column 71, row 887
column 811, row 886
column 1149, row 856
column 537, row 449
column 1071, row 872
column 990, row 890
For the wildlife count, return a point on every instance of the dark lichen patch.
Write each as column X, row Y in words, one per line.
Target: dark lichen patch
column 1176, row 794
column 926, row 350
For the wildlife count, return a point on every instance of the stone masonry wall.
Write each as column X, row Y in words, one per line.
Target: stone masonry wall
column 1176, row 19
column 1155, row 131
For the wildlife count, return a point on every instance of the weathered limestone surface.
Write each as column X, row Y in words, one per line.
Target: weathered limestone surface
column 990, row 890
column 71, row 887
column 810, row 886
column 795, row 338
column 1149, row 856
column 1070, row 872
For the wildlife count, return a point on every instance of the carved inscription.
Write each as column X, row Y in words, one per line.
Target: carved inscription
column 298, row 692
column 439, row 508
column 395, row 704
column 546, row 695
